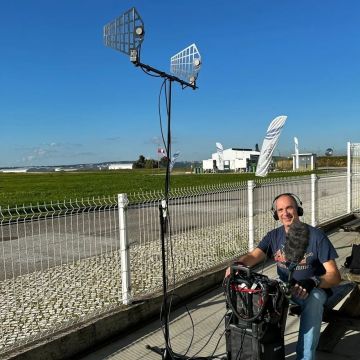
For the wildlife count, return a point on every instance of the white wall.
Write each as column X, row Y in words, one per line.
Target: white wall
column 120, row 166
column 208, row 164
column 236, row 158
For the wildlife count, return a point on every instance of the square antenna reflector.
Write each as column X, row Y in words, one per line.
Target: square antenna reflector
column 186, row 64
column 125, row 33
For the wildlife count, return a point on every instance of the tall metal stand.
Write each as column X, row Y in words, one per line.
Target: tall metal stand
column 126, row 34
column 166, row 352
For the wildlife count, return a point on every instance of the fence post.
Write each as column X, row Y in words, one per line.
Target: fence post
column 313, row 199
column 251, row 185
column 124, row 250
column 349, row 205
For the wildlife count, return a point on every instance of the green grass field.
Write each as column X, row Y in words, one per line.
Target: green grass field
column 39, row 188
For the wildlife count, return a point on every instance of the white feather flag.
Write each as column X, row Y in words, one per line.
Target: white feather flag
column 296, row 141
column 173, row 159
column 270, row 141
column 220, row 162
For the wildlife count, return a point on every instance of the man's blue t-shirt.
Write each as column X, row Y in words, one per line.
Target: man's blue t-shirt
column 319, row 250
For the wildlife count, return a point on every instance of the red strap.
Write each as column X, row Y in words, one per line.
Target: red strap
column 238, row 288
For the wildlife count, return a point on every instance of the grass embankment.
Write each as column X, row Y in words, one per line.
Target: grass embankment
column 40, row 188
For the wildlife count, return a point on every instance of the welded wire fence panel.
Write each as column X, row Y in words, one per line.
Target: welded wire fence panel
column 355, row 176
column 143, row 229
column 59, row 266
column 210, row 225
column 264, row 194
column 355, row 191
column 60, row 263
column 331, row 197
column 206, row 227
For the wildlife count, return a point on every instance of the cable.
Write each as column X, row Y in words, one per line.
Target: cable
column 249, row 291
column 217, row 344
column 146, row 71
column 245, row 287
column 238, row 355
column 242, row 336
column 194, row 357
column 165, row 318
column 192, row 324
column 166, row 223
column 160, row 118
column 207, row 342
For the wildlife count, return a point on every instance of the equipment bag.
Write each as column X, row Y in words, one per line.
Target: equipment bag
column 255, row 323
column 352, row 262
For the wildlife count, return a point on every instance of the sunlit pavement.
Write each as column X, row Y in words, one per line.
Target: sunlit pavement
column 202, row 334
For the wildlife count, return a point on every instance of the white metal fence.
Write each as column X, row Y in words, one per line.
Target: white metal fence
column 62, row 264
column 59, row 266
column 353, row 174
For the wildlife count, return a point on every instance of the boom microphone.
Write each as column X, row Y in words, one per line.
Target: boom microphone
column 297, row 240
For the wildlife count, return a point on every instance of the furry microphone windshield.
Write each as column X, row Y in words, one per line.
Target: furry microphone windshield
column 297, row 240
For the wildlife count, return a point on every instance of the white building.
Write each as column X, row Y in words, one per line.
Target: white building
column 65, row 169
column 306, row 161
column 234, row 159
column 120, row 166
column 14, row 170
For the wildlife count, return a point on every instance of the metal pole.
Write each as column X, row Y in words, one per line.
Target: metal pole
column 124, row 250
column 349, row 192
column 313, row 199
column 251, row 185
column 166, row 353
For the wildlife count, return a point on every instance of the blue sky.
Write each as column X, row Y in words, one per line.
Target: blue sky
column 65, row 98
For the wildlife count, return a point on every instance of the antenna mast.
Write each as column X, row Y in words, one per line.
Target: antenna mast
column 126, row 34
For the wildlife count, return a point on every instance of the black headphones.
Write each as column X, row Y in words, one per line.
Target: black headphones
column 300, row 210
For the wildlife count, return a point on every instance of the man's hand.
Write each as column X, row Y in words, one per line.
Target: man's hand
column 302, row 288
column 228, row 270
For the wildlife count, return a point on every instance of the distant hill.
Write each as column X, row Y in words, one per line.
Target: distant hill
column 89, row 167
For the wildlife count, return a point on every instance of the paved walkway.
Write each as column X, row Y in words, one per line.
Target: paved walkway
column 201, row 329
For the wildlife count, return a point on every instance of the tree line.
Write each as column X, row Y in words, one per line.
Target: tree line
column 143, row 163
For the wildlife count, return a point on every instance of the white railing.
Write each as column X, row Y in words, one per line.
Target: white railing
column 66, row 263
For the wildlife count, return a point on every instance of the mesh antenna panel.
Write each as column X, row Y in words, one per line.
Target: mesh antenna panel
column 186, row 64
column 125, row 33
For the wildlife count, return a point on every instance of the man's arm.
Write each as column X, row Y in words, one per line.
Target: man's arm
column 253, row 257
column 329, row 279
column 250, row 259
column 332, row 275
